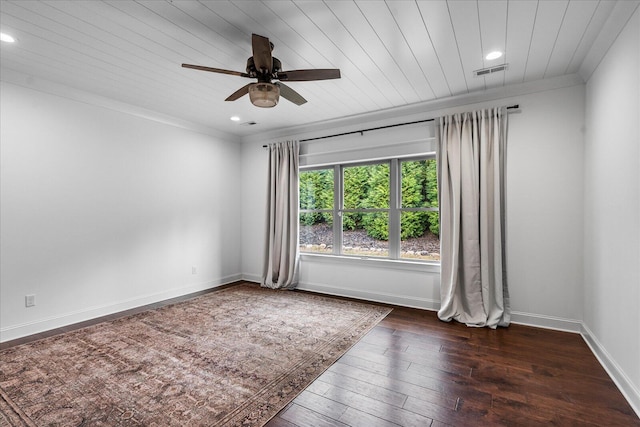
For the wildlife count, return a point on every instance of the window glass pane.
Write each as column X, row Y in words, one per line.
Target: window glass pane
column 419, row 232
column 369, row 236
column 316, row 189
column 366, row 186
column 419, row 184
column 316, row 232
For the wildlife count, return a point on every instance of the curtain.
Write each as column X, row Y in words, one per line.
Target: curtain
column 281, row 244
column 471, row 178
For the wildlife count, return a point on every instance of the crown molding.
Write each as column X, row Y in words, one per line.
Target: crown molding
column 47, row 86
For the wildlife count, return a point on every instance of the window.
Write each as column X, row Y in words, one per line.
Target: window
column 384, row 209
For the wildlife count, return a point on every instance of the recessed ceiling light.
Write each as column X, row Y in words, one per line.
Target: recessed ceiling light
column 493, row 55
column 6, row 38
column 235, row 118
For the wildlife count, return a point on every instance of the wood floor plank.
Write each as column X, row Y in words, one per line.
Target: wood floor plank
column 320, row 404
column 303, row 417
column 391, row 342
column 525, row 358
column 366, row 389
column 393, row 359
column 356, row 418
column 472, row 415
column 318, row 387
column 370, row 347
column 590, row 408
column 280, row 422
column 358, row 375
column 436, row 361
column 379, row 409
column 383, row 366
column 419, row 333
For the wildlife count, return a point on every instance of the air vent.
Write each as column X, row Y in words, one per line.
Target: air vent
column 490, row 70
column 248, row 123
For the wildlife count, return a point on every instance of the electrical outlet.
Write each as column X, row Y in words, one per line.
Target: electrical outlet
column 29, row 300
column 193, row 270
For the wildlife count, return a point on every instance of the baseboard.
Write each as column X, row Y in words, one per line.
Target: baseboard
column 622, row 381
column 546, row 322
column 251, row 277
column 25, row 329
column 374, row 296
column 536, row 320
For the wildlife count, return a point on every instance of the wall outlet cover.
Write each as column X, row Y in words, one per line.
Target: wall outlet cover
column 29, row 300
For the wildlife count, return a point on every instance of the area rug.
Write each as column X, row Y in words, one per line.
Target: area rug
column 234, row 357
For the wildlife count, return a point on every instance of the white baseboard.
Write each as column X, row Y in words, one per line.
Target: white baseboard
column 529, row 319
column 622, row 381
column 252, row 277
column 369, row 295
column 546, row 322
column 41, row 325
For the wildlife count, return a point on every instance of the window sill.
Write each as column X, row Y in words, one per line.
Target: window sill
column 405, row 265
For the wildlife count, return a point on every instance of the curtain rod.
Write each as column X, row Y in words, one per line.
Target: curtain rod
column 362, row 131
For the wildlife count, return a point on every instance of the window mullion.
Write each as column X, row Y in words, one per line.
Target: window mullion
column 337, row 209
column 394, row 215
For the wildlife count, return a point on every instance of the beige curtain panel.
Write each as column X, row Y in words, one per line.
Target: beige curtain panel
column 471, row 178
column 281, row 244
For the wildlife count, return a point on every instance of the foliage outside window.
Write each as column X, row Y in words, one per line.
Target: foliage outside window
column 316, row 210
column 385, row 209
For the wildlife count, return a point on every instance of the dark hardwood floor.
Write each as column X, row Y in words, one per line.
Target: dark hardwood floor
column 414, row 370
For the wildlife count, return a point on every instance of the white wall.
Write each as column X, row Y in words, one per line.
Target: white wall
column 544, row 213
column 544, row 208
column 103, row 211
column 612, row 211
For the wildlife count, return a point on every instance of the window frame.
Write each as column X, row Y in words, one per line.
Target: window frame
column 394, row 211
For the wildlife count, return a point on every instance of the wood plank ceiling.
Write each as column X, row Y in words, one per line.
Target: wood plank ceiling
column 391, row 53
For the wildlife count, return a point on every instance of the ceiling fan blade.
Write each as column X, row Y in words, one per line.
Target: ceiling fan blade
column 215, row 70
column 307, row 75
column 291, row 95
column 261, row 53
column 239, row 93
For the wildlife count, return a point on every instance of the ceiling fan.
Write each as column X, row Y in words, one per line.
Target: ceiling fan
column 266, row 68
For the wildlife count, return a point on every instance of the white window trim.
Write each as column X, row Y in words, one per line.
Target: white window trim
column 394, row 210
column 385, row 263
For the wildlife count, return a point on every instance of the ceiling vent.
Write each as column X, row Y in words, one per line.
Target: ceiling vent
column 252, row 123
column 490, row 70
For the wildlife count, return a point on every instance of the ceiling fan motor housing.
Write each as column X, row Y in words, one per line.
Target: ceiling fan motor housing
column 276, row 67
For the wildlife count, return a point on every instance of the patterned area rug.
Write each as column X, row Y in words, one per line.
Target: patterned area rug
column 229, row 358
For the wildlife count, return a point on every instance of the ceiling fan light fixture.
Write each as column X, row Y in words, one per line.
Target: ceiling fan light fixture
column 264, row 95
